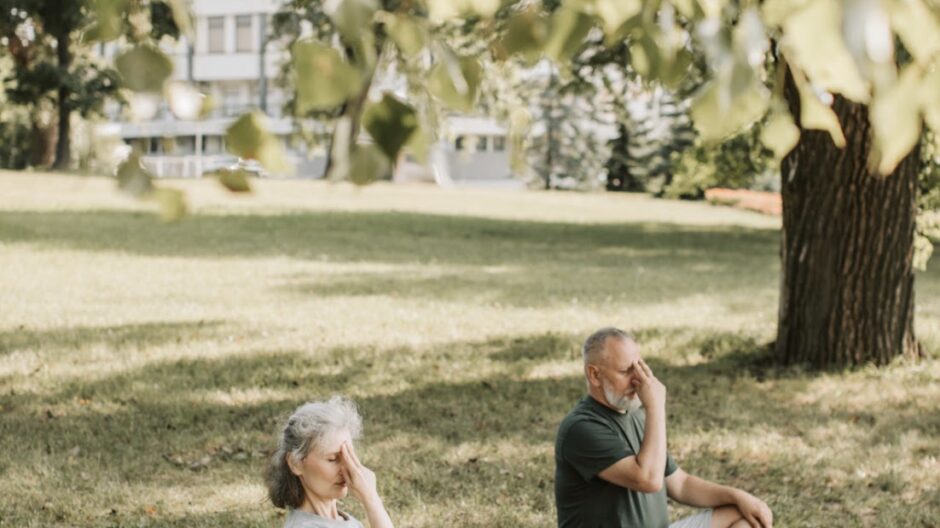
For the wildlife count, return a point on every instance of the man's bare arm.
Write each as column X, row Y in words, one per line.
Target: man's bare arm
column 693, row 491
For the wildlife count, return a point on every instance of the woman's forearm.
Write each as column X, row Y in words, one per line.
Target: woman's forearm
column 376, row 513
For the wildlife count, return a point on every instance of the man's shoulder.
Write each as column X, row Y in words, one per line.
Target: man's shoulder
column 584, row 414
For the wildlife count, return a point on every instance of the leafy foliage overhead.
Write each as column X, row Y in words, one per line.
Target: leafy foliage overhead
column 884, row 53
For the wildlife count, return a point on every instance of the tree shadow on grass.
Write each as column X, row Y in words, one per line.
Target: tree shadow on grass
column 116, row 337
column 519, row 263
column 382, row 237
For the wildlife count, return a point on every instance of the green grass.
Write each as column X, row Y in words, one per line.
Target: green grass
column 144, row 366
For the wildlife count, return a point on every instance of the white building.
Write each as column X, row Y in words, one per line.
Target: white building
column 231, row 61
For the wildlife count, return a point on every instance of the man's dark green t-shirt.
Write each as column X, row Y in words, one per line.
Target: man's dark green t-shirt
column 590, row 439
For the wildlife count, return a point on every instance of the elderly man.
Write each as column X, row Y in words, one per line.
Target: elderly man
column 611, row 462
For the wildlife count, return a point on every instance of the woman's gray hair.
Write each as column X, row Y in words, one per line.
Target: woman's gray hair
column 302, row 433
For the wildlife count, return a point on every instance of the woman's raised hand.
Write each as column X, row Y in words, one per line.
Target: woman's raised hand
column 361, row 482
column 360, row 479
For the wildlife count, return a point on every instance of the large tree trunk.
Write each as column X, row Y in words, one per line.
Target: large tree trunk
column 42, row 142
column 63, row 152
column 847, row 282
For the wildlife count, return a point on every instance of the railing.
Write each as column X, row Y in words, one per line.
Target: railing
column 188, row 166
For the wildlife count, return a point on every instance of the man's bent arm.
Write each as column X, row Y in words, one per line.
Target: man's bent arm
column 693, row 491
column 643, row 471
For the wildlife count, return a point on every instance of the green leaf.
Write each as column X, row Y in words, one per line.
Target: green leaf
column 407, row 34
column 132, row 177
column 144, row 68
column 249, row 138
column 712, row 8
column 109, row 21
column 367, row 165
column 923, row 249
column 442, row 10
column 814, row 115
column 390, row 123
column 917, row 27
column 688, row 8
column 774, row 12
column 673, row 73
column 419, row 145
column 717, row 115
column 780, row 134
column 644, row 57
column 351, row 17
column 324, row 80
column 569, row 27
column 171, row 203
column 519, row 122
column 233, row 180
column 483, row 8
column 613, row 13
column 895, row 120
column 455, row 82
column 182, row 17
column 930, row 98
column 526, row 34
column 813, row 41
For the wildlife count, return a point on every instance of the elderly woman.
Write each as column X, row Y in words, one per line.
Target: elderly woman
column 315, row 466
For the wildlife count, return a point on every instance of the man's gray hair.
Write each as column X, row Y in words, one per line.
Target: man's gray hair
column 303, row 432
column 594, row 344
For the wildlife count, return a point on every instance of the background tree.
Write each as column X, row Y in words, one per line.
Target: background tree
column 566, row 147
column 51, row 45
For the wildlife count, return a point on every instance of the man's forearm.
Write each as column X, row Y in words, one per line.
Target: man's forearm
column 652, row 455
column 704, row 494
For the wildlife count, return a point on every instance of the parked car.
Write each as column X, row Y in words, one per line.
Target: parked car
column 251, row 166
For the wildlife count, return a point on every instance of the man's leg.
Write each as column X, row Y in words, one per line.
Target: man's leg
column 728, row 517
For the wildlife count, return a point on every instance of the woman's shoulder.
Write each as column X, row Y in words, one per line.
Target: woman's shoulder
column 302, row 519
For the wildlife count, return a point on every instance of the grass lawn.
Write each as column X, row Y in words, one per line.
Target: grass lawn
column 144, row 367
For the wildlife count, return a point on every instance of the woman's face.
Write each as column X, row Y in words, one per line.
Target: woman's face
column 320, row 469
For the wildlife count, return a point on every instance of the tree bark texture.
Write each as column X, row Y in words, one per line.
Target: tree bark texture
column 43, row 139
column 847, row 281
column 63, row 153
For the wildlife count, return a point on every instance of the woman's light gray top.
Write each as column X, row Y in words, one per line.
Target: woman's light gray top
column 302, row 519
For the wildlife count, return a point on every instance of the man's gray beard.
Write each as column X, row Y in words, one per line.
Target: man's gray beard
column 621, row 402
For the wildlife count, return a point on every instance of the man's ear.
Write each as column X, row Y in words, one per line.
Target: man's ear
column 593, row 375
column 295, row 466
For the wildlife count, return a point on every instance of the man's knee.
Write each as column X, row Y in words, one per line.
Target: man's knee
column 728, row 517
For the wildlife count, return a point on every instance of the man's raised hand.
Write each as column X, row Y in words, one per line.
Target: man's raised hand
column 648, row 388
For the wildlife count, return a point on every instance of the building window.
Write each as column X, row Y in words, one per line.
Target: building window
column 142, row 145
column 216, row 34
column 233, row 103
column 458, row 144
column 212, row 144
column 156, row 146
column 185, row 144
column 243, row 37
column 481, row 143
column 499, row 143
